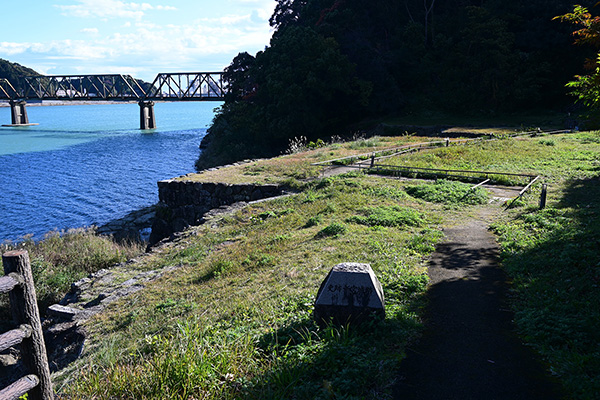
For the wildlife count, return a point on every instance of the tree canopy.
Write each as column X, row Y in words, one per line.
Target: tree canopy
column 586, row 87
column 332, row 63
column 14, row 71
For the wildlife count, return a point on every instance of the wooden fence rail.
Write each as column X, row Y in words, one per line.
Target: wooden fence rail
column 18, row 283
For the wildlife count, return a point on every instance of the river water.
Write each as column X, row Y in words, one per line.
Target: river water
column 90, row 164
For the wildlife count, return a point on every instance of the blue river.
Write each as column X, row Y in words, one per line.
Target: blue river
column 89, row 164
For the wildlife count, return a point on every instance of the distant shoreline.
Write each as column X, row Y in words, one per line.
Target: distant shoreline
column 46, row 103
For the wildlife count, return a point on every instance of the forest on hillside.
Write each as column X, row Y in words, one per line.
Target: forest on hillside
column 13, row 71
column 333, row 63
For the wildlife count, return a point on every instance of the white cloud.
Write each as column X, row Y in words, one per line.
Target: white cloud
column 11, row 49
column 92, row 31
column 233, row 19
column 167, row 46
column 109, row 9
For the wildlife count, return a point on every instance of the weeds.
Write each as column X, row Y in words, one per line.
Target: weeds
column 62, row 258
column 335, row 229
column 248, row 331
column 449, row 192
column 391, row 216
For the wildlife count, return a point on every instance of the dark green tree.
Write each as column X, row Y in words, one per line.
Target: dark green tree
column 586, row 87
column 334, row 62
column 237, row 76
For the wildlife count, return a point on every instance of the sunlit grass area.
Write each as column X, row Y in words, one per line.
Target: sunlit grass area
column 235, row 321
column 62, row 258
column 298, row 166
column 556, row 157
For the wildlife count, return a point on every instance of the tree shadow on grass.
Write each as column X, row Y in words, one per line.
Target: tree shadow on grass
column 341, row 362
column 556, row 273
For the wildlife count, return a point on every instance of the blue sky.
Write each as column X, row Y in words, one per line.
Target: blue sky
column 140, row 38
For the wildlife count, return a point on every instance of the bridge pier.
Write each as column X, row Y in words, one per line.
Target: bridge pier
column 19, row 113
column 147, row 119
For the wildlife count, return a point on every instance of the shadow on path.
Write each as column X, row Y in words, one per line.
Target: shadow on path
column 469, row 349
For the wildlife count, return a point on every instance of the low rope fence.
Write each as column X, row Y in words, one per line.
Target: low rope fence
column 18, row 283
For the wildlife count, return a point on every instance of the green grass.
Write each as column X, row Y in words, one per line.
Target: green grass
column 449, row 192
column 388, row 216
column 572, row 156
column 62, row 258
column 552, row 256
column 236, row 321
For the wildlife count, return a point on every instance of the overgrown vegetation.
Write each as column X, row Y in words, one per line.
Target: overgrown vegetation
column 236, row 321
column 449, row 192
column 62, row 258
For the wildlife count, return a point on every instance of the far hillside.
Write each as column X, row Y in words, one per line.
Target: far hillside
column 13, row 71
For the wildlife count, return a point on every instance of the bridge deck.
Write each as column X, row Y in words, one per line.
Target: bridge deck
column 181, row 86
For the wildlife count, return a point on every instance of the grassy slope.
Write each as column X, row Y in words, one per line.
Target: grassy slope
column 235, row 320
column 552, row 254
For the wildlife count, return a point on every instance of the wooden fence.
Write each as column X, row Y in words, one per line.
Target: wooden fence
column 18, row 283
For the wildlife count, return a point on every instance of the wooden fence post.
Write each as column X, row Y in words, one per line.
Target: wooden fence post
column 24, row 310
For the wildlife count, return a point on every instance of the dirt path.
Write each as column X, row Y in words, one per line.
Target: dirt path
column 469, row 349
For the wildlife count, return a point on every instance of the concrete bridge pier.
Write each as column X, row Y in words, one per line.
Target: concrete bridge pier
column 19, row 113
column 147, row 119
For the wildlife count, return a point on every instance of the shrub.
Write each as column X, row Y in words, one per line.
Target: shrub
column 335, row 229
column 313, row 221
column 449, row 192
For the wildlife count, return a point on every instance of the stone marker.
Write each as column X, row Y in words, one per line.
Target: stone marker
column 351, row 293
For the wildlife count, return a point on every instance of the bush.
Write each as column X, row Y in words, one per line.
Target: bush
column 449, row 192
column 335, row 229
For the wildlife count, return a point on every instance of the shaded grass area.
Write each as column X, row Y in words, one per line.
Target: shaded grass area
column 235, row 321
column 552, row 256
column 62, row 258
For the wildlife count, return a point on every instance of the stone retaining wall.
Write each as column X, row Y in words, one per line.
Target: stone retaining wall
column 184, row 203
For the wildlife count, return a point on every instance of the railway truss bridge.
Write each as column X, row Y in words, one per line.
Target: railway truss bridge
column 182, row 86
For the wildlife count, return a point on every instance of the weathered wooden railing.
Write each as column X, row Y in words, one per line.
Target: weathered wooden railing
column 18, row 283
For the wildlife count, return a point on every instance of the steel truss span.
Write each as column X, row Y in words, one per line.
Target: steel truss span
column 183, row 86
